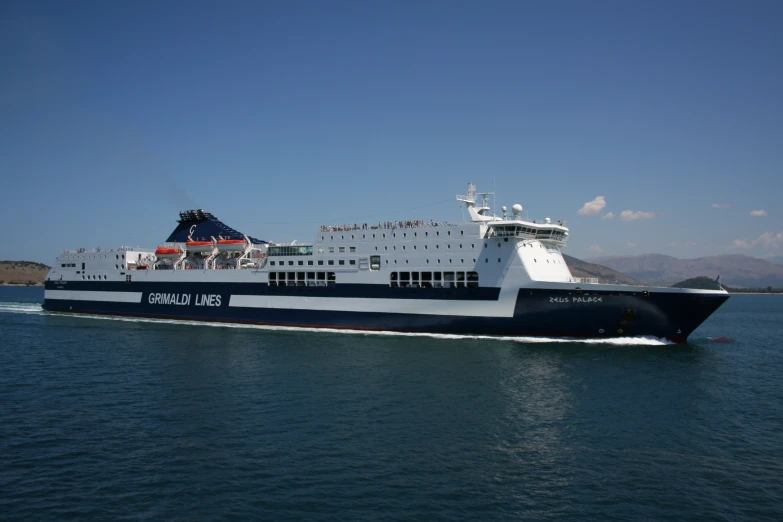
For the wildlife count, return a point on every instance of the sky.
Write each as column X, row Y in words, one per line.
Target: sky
column 648, row 126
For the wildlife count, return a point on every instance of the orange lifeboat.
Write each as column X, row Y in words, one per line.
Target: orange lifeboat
column 168, row 253
column 199, row 246
column 231, row 245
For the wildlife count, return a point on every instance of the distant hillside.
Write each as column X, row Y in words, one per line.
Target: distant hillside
column 22, row 272
column 778, row 260
column 701, row 283
column 736, row 270
column 604, row 274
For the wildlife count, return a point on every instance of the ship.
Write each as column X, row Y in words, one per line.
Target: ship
column 490, row 274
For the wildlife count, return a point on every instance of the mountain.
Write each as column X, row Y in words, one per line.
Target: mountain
column 735, row 270
column 22, row 272
column 702, row 283
column 778, row 260
column 604, row 274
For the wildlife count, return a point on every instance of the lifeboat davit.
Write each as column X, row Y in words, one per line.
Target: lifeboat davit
column 199, row 246
column 168, row 253
column 231, row 245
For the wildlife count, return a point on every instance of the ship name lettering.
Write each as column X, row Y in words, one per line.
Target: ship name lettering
column 576, row 299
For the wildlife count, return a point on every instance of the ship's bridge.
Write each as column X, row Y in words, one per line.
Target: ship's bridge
column 512, row 227
column 553, row 233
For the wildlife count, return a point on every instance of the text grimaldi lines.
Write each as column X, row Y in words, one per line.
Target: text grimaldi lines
column 184, row 299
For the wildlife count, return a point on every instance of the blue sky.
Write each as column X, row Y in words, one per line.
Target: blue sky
column 281, row 116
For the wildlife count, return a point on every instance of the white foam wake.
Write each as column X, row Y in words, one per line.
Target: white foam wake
column 22, row 308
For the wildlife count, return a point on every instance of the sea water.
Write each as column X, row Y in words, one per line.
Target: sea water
column 107, row 419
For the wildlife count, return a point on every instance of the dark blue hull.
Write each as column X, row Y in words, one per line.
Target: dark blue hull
column 538, row 312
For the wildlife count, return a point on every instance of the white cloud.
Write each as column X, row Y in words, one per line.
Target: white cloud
column 671, row 244
column 757, row 213
column 631, row 215
column 593, row 208
column 690, row 243
column 631, row 244
column 595, row 248
column 608, row 215
column 720, row 205
column 768, row 240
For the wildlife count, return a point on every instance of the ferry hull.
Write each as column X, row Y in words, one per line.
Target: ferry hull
column 529, row 312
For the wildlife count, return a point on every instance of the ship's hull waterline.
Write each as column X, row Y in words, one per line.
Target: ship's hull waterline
column 531, row 312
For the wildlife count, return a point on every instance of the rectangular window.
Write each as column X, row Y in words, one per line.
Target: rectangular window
column 342, row 249
column 300, row 263
column 375, row 262
column 331, row 262
column 320, row 262
column 352, row 262
column 352, row 249
column 331, row 250
column 309, row 263
column 341, row 262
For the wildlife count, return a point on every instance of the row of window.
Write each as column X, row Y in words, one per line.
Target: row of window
column 330, row 262
column 68, row 265
column 302, row 278
column 426, row 247
column 290, row 250
column 339, row 249
column 434, row 279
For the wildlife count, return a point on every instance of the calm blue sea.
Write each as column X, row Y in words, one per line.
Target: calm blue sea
column 109, row 419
